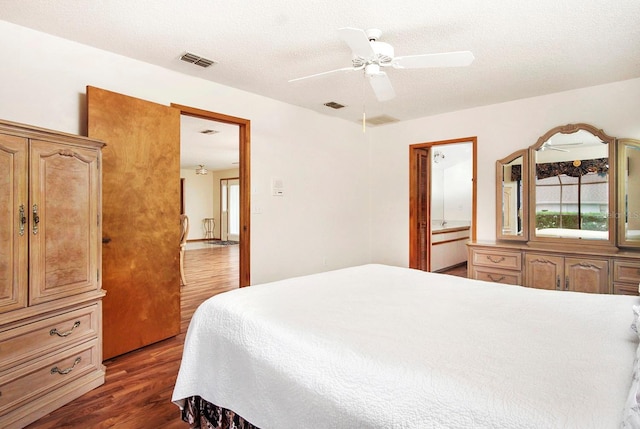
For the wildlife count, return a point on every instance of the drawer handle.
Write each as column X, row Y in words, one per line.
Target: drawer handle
column 495, row 261
column 54, row 331
column 68, row 370
column 498, row 280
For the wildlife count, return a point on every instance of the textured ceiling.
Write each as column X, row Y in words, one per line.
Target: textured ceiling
column 521, row 49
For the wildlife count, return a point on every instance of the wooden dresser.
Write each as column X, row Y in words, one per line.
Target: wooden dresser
column 50, row 269
column 567, row 215
column 575, row 269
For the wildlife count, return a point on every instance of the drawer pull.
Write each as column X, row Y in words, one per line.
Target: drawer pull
column 68, row 370
column 498, row 280
column 54, row 331
column 496, row 260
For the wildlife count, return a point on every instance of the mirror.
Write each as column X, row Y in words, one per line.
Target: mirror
column 628, row 213
column 573, row 185
column 512, row 174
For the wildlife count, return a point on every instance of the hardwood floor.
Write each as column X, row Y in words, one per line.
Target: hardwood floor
column 139, row 384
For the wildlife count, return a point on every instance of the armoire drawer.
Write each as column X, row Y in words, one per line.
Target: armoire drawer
column 497, row 276
column 28, row 342
column 497, row 258
column 27, row 382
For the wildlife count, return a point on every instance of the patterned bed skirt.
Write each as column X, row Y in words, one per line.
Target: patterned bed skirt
column 201, row 414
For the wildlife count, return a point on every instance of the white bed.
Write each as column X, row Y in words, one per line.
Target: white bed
column 385, row 347
column 572, row 233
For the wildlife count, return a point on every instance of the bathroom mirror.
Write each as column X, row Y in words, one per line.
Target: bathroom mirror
column 512, row 174
column 628, row 213
column 572, row 187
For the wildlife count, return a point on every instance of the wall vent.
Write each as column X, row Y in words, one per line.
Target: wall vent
column 334, row 105
column 197, row 60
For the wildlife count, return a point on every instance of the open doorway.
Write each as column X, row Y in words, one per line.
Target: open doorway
column 231, row 161
column 229, row 210
column 442, row 200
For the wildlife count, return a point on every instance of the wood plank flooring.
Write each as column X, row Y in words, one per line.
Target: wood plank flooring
column 139, row 384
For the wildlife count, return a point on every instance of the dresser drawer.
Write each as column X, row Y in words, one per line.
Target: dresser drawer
column 28, row 382
column 497, row 258
column 35, row 339
column 625, row 289
column 626, row 271
column 497, row 276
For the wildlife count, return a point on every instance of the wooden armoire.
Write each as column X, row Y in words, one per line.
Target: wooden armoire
column 50, row 271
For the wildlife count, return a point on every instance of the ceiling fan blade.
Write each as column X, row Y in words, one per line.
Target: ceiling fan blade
column 358, row 42
column 382, row 86
column 446, row 59
column 344, row 69
column 552, row 147
column 565, row 144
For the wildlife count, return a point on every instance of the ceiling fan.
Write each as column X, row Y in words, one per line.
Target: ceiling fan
column 560, row 147
column 372, row 56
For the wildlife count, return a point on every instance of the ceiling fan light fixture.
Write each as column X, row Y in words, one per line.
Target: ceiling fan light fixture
column 201, row 170
column 372, row 69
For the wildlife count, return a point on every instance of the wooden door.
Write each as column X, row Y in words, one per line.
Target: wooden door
column 587, row 275
column 423, row 209
column 141, row 218
column 544, row 271
column 64, row 228
column 14, row 228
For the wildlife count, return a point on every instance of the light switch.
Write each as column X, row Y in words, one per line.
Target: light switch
column 277, row 187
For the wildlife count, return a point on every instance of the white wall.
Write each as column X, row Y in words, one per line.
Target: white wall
column 198, row 201
column 501, row 129
column 202, row 199
column 321, row 221
column 346, row 193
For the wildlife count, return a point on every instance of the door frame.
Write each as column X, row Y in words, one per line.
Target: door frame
column 414, row 248
column 244, row 126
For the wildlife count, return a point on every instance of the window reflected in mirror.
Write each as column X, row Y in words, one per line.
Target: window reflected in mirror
column 572, row 187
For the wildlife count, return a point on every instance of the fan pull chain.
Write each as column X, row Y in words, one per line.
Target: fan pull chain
column 364, row 115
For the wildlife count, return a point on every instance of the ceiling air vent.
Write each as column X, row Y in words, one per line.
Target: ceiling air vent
column 334, row 105
column 197, row 60
column 380, row 120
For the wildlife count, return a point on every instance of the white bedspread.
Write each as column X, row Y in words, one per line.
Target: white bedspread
column 386, row 347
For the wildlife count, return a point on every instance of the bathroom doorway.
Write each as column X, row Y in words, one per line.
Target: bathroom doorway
column 442, row 200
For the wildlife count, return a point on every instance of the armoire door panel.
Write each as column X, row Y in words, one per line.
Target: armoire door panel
column 63, row 225
column 13, row 234
column 141, row 217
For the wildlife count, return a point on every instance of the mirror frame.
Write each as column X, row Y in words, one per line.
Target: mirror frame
column 524, row 153
column 622, row 192
column 570, row 129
